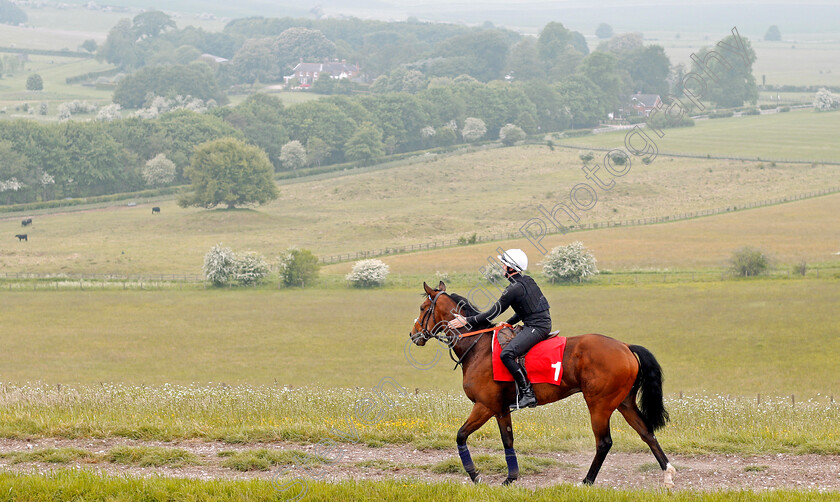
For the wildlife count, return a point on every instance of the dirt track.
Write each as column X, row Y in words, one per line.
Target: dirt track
column 621, row 470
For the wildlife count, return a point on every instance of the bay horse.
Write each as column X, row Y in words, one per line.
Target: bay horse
column 609, row 373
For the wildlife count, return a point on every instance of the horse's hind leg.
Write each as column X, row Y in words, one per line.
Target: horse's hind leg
column 506, row 429
column 600, row 417
column 479, row 415
column 631, row 413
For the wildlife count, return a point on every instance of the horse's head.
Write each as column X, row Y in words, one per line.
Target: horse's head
column 436, row 310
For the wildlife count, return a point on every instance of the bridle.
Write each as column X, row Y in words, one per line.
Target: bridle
column 437, row 328
column 429, row 314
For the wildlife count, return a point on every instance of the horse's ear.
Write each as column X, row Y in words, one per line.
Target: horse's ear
column 442, row 286
column 429, row 291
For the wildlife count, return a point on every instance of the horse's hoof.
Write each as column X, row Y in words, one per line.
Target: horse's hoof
column 586, row 482
column 668, row 476
column 477, row 480
column 508, row 481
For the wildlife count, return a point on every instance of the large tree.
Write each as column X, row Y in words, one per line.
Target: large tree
column 11, row 13
column 229, row 172
column 151, row 24
column 729, row 80
column 119, row 48
column 365, row 144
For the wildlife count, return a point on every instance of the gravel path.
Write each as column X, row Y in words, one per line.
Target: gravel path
column 620, row 470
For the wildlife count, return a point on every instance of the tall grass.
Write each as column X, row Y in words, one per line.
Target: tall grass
column 242, row 414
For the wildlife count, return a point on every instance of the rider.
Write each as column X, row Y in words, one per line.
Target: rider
column 529, row 306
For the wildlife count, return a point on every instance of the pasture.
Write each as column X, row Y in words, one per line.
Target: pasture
column 53, row 70
column 778, row 334
column 796, row 135
column 340, row 215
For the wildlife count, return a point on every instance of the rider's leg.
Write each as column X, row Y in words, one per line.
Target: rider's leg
column 519, row 346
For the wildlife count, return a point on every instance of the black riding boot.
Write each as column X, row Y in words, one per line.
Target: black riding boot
column 527, row 399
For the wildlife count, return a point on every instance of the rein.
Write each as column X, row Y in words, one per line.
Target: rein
column 430, row 314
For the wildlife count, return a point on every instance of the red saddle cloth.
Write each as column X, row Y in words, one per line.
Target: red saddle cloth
column 544, row 362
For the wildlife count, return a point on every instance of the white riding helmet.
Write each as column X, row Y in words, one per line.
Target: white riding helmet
column 515, row 259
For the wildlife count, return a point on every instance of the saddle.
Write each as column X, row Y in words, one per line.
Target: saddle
column 507, row 334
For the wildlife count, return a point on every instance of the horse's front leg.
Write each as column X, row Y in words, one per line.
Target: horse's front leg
column 479, row 415
column 506, row 428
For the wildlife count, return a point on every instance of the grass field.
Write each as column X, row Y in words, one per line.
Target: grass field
column 809, row 61
column 779, row 335
column 445, row 199
column 86, row 486
column 799, row 135
column 53, row 70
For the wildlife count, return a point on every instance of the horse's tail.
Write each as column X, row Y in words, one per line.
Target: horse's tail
column 649, row 385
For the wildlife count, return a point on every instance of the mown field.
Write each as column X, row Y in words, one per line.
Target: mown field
column 774, row 336
column 447, row 198
column 797, row 135
column 85, row 486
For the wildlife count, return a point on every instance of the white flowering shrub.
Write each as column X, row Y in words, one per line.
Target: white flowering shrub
column 427, row 132
column 824, row 101
column 368, row 273
column 64, row 113
column 109, row 113
column 493, row 274
column 568, row 263
column 473, row 129
column 222, row 267
column 11, row 185
column 158, row 171
column 510, row 134
column 251, row 268
column 219, row 265
column 155, row 105
column 293, row 155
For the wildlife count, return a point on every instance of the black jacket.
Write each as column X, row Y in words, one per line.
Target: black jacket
column 528, row 302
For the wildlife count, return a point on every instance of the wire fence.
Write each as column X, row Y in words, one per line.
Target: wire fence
column 462, row 241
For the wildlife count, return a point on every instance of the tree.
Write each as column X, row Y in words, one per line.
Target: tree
column 473, row 129
column 34, row 82
column 90, row 45
column 604, row 31
column 158, row 171
column 748, row 262
column 317, row 150
column 568, row 263
column 11, row 13
column 119, row 48
column 293, row 155
column 298, row 267
column 510, row 134
column 151, row 24
column 773, row 34
column 228, row 171
column 733, row 83
column 195, row 79
column 365, row 144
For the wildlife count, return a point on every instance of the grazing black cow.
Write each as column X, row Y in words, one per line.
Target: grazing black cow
column 155, row 210
column 22, row 237
column 26, row 222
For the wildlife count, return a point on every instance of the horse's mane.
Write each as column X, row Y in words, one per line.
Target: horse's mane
column 467, row 308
